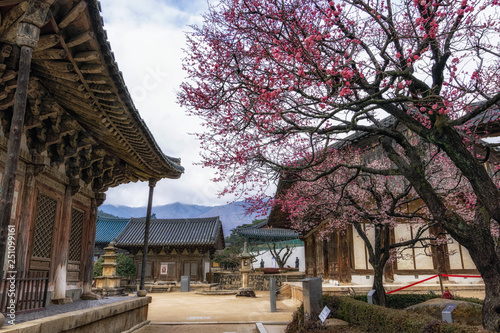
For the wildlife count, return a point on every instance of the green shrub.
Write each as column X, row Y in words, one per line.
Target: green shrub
column 373, row 318
column 402, row 301
column 125, row 266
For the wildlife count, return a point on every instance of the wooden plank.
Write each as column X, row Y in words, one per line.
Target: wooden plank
column 52, row 80
column 104, row 89
column 9, row 75
column 95, row 78
column 73, row 77
column 6, row 103
column 50, row 54
column 91, row 68
column 73, row 14
column 46, row 42
column 80, row 39
column 60, row 66
column 10, row 2
column 12, row 16
column 86, row 56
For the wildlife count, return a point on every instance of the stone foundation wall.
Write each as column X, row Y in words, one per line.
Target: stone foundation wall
column 110, row 318
column 256, row 281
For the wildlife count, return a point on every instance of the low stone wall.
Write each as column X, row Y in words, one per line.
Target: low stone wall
column 110, row 318
column 255, row 281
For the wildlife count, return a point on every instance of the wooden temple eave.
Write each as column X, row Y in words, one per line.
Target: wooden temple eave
column 79, row 111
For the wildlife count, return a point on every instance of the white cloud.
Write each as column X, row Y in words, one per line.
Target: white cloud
column 147, row 38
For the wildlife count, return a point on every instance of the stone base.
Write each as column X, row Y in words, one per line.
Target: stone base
column 110, row 291
column 90, row 296
column 246, row 291
column 59, row 301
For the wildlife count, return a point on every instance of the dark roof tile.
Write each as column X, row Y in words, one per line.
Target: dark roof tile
column 172, row 232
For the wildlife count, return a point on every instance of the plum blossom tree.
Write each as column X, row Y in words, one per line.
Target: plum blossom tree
column 374, row 204
column 278, row 81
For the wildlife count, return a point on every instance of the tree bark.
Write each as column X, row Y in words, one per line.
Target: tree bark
column 477, row 239
column 378, row 284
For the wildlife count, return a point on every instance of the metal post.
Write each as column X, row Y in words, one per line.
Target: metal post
column 152, row 184
column 441, row 284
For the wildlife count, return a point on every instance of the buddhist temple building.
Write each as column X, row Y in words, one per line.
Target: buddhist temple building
column 69, row 130
column 342, row 255
column 107, row 228
column 177, row 247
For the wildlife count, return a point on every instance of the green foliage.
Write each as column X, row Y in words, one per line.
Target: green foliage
column 125, row 266
column 373, row 318
column 402, row 301
column 227, row 258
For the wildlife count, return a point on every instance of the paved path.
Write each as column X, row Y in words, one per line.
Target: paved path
column 190, row 312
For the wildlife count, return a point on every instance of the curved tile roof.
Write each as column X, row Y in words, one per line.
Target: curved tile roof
column 172, row 232
column 80, row 113
column 108, row 228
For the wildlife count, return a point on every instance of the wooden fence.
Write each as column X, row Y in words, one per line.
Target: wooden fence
column 23, row 292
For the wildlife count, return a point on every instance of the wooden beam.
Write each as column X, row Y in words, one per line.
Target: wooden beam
column 10, row 2
column 73, row 14
column 72, row 77
column 91, row 68
column 46, row 42
column 60, row 66
column 80, row 39
column 96, row 78
column 50, row 54
column 86, row 56
column 12, row 16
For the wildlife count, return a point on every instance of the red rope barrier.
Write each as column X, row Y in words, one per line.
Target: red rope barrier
column 432, row 277
column 411, row 285
column 468, row 276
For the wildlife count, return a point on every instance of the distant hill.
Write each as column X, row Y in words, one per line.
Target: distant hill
column 231, row 215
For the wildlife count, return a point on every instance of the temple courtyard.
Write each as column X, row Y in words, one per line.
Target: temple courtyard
column 185, row 312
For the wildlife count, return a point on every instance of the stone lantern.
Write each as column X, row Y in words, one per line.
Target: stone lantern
column 246, row 268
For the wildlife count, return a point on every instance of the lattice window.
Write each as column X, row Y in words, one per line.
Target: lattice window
column 44, row 229
column 76, row 234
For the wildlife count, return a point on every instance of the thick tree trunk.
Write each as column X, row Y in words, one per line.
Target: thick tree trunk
column 378, row 284
column 477, row 239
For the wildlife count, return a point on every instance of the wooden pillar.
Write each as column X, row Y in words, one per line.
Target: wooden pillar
column 152, row 184
column 62, row 249
column 28, row 33
column 344, row 256
column 333, row 256
column 24, row 225
column 88, row 249
column 320, row 266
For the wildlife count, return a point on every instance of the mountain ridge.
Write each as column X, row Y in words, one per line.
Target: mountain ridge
column 231, row 215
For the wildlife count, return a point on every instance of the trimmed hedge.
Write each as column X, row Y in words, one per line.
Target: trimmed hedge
column 374, row 318
column 402, row 301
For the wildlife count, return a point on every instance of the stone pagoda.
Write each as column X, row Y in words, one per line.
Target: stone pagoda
column 109, row 283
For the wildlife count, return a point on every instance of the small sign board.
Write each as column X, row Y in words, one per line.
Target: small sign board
column 185, row 283
column 446, row 314
column 369, row 297
column 324, row 314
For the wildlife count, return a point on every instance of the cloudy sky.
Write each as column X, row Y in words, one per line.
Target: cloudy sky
column 147, row 38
